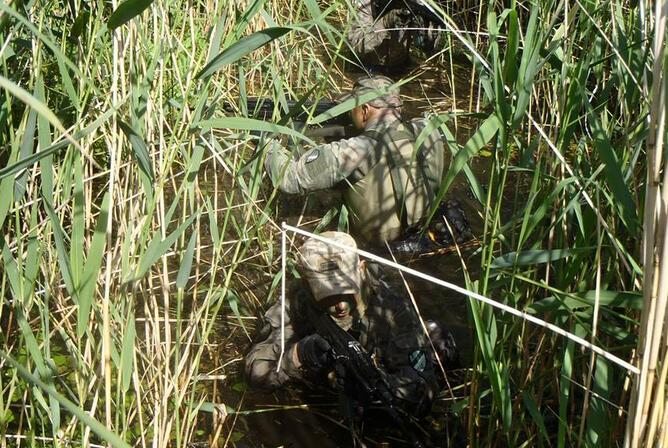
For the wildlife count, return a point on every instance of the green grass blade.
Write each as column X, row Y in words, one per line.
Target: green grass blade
column 127, row 11
column 241, row 25
column 49, row 151
column 250, row 124
column 31, row 101
column 61, row 249
column 597, row 432
column 186, row 263
column 27, row 147
column 241, row 48
column 78, row 223
column 139, row 150
column 478, row 140
column 535, row 257
column 92, row 268
column 158, row 247
column 613, row 170
column 44, row 139
column 530, row 405
column 79, row 413
column 127, row 352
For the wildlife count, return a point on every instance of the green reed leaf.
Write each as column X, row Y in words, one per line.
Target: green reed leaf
column 78, row 223
column 44, row 140
column 27, row 148
column 213, row 223
column 495, row 372
column 241, row 48
column 81, row 414
column 478, row 140
column 128, row 351
column 186, row 263
column 512, row 46
column 19, row 291
column 597, row 431
column 530, row 405
column 613, row 299
column 244, row 21
column 31, row 101
column 534, row 257
column 127, row 11
column 530, row 64
column 613, row 170
column 92, row 267
column 49, row 151
column 158, row 247
column 55, row 48
column 251, row 124
column 61, row 249
column 139, row 149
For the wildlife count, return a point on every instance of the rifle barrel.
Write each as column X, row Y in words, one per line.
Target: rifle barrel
column 300, row 111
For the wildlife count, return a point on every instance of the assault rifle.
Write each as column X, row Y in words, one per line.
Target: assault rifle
column 362, row 380
column 299, row 111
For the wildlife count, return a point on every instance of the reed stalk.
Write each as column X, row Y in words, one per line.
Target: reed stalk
column 139, row 235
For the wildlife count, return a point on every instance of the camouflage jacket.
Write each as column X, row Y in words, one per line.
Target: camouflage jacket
column 389, row 330
column 354, row 162
column 381, row 34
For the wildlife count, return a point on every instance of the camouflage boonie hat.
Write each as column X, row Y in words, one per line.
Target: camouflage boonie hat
column 367, row 84
column 329, row 270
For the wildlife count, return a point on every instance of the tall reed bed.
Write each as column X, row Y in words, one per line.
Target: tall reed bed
column 133, row 211
column 127, row 210
column 569, row 93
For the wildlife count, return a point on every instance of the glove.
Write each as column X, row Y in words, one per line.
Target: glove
column 313, row 352
column 458, row 223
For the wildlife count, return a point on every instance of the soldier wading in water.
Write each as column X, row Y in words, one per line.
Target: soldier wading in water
column 354, row 295
column 389, row 184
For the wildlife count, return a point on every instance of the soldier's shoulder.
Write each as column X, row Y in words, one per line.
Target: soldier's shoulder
column 295, row 298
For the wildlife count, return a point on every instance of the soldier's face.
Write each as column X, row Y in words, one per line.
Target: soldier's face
column 339, row 306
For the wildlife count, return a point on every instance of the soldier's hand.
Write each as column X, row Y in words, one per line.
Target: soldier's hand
column 313, row 352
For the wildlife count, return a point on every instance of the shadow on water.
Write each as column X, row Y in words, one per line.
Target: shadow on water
column 304, row 419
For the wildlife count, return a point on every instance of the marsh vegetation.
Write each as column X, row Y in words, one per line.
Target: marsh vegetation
column 140, row 236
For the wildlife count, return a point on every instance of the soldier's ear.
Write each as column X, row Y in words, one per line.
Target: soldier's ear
column 365, row 111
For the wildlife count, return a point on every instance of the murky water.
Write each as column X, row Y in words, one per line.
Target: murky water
column 292, row 418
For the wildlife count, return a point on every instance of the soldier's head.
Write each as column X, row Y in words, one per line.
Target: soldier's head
column 387, row 101
column 333, row 275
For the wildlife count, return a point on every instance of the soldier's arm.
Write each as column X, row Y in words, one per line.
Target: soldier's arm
column 321, row 167
column 262, row 359
column 366, row 32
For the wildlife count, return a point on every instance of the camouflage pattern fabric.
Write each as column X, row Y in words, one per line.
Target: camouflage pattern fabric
column 381, row 33
column 388, row 329
column 350, row 161
column 378, row 37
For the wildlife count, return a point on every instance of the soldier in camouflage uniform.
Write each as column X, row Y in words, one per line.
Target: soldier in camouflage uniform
column 360, row 302
column 382, row 32
column 389, row 184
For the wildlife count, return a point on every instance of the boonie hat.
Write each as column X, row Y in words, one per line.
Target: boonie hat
column 367, row 84
column 329, row 270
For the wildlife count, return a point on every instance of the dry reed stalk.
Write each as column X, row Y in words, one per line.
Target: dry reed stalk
column 648, row 392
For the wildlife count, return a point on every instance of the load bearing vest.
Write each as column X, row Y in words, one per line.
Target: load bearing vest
column 396, row 192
